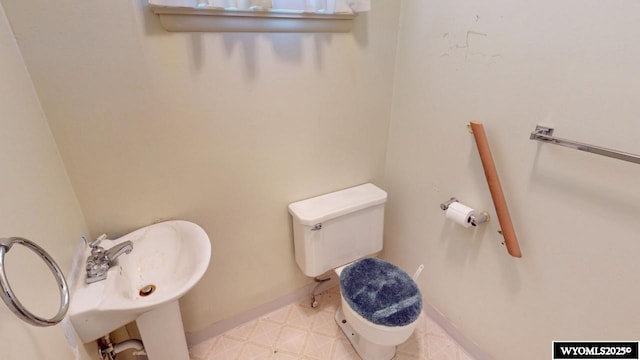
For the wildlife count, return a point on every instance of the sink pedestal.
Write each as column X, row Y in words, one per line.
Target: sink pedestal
column 163, row 334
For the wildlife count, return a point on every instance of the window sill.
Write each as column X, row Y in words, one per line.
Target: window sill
column 189, row 19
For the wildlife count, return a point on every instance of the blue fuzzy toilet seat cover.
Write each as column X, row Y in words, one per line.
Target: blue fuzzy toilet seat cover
column 381, row 292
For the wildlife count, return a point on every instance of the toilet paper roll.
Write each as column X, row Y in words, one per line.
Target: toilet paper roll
column 460, row 214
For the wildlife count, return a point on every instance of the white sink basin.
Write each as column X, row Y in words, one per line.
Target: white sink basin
column 167, row 260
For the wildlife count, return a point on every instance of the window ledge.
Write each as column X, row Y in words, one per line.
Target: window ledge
column 189, row 19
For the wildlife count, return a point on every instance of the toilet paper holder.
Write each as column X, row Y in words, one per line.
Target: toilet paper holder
column 475, row 219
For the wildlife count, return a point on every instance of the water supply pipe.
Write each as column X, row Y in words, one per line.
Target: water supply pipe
column 108, row 351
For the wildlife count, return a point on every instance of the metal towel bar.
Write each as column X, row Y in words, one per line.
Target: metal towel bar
column 543, row 133
column 9, row 297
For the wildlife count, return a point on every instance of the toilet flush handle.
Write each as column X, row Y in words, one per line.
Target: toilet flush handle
column 418, row 272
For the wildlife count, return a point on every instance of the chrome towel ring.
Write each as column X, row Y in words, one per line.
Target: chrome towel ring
column 9, row 297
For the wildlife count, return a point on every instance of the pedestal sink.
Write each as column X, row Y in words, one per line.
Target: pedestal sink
column 167, row 260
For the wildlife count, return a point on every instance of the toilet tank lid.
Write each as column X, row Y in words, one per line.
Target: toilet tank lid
column 328, row 206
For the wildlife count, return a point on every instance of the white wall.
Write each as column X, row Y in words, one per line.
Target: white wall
column 221, row 129
column 513, row 64
column 37, row 203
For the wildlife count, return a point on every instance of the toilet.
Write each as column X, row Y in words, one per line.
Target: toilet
column 339, row 231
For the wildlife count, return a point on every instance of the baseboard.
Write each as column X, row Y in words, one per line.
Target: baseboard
column 467, row 344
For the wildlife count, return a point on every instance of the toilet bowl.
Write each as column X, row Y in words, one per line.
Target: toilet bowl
column 380, row 302
column 390, row 321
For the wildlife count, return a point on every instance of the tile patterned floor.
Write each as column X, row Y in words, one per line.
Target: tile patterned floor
column 299, row 331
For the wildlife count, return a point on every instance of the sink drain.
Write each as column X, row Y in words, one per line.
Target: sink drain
column 147, row 290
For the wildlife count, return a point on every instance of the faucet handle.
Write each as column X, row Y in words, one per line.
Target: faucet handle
column 97, row 252
column 94, row 244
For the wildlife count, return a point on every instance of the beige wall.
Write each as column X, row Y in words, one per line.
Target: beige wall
column 226, row 129
column 221, row 129
column 511, row 65
column 37, row 203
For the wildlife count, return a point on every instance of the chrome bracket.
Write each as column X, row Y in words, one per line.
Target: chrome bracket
column 445, row 205
column 479, row 218
column 541, row 130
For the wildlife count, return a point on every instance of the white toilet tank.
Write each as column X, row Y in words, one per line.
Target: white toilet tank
column 337, row 228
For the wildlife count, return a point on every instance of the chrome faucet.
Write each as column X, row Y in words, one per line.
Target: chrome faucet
column 115, row 252
column 100, row 260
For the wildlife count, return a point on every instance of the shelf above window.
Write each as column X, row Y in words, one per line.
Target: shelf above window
column 191, row 19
